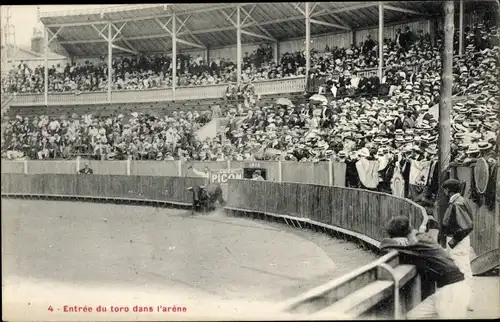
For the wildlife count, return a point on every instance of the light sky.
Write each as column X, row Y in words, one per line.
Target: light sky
column 24, row 18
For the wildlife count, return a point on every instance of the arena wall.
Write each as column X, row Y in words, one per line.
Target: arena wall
column 355, row 214
column 483, row 239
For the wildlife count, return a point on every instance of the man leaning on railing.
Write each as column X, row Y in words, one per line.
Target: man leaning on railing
column 434, row 265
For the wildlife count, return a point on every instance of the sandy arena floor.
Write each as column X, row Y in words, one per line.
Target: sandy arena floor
column 216, row 266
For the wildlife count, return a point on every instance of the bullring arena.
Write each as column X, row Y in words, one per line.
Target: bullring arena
column 215, row 265
column 316, row 136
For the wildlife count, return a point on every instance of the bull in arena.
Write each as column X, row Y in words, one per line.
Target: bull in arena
column 205, row 197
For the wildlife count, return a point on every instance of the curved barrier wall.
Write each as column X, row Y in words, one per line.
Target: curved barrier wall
column 359, row 211
column 170, row 190
column 383, row 288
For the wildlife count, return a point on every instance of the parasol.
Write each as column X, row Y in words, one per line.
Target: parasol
column 284, row 101
column 318, row 98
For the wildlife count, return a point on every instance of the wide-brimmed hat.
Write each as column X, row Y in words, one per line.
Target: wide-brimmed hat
column 342, row 154
column 400, row 139
column 473, row 148
column 364, row 152
column 483, row 145
column 431, row 150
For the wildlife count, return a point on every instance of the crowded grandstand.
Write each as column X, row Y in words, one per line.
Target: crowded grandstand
column 178, row 104
column 344, row 113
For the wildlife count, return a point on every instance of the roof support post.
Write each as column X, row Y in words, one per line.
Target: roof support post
column 275, row 52
column 445, row 106
column 380, row 40
column 174, row 55
column 110, row 61
column 308, row 39
column 45, row 65
column 461, row 27
column 238, row 43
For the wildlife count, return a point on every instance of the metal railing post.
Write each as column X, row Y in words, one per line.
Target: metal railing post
column 397, row 305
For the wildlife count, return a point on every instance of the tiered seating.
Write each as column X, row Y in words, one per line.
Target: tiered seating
column 160, row 108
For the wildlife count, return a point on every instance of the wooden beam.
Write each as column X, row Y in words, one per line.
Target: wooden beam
column 314, row 7
column 201, row 10
column 297, row 7
column 248, row 14
column 319, row 22
column 413, row 12
column 257, row 35
column 317, row 14
column 350, row 8
column 228, row 17
column 205, row 31
column 164, row 27
column 183, row 23
column 100, row 32
column 118, row 30
column 267, row 33
column 126, row 42
column 192, row 44
column 124, row 49
column 54, row 34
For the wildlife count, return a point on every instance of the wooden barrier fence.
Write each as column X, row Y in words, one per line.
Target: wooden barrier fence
column 326, row 173
column 170, row 190
column 384, row 285
column 359, row 211
column 483, row 238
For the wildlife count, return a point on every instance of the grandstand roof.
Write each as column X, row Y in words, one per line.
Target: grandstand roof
column 202, row 25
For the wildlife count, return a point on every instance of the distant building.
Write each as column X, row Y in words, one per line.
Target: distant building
column 32, row 57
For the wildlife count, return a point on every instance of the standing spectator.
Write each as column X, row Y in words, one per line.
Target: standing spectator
column 368, row 45
column 398, row 39
column 216, row 112
column 457, row 226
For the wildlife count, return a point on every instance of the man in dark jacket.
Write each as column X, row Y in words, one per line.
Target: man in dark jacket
column 434, row 265
column 86, row 169
column 457, row 226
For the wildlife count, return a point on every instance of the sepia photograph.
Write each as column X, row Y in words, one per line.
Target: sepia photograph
column 250, row 161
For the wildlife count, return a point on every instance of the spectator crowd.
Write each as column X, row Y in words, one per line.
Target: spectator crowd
column 397, row 117
column 145, row 72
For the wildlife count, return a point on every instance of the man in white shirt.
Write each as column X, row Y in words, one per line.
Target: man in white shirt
column 203, row 174
column 213, row 191
column 257, row 176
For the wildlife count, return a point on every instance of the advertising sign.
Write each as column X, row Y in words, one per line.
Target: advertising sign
column 222, row 176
